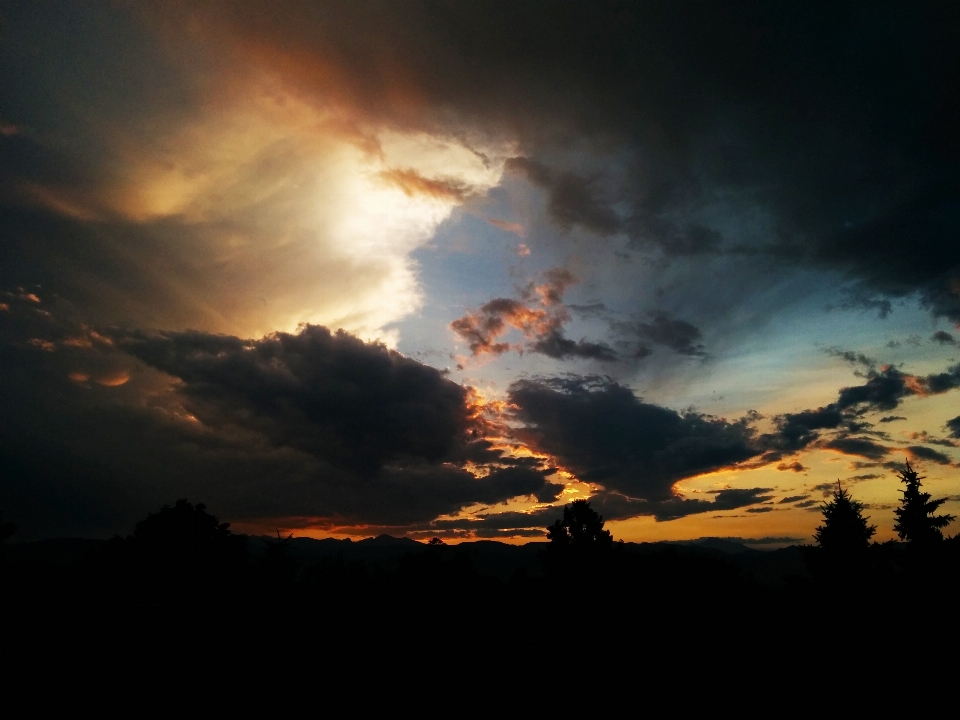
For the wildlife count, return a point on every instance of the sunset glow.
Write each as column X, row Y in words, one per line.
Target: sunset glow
column 440, row 271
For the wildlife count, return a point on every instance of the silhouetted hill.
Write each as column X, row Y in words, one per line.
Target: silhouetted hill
column 54, row 550
column 488, row 557
column 503, row 560
column 715, row 543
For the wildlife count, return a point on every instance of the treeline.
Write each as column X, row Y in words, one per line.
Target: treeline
column 182, row 575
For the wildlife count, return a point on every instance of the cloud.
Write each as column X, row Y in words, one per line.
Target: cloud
column 727, row 167
column 316, row 425
column 954, row 427
column 511, row 227
column 852, row 357
column 357, row 405
column 886, row 389
column 616, row 506
column 413, row 183
column 554, row 344
column 883, row 391
column 603, row 433
column 571, row 200
column 944, row 338
column 794, row 498
column 208, row 195
column 540, row 317
column 797, row 430
column 794, row 466
column 920, row 452
column 891, row 418
column 863, row 447
column 678, row 335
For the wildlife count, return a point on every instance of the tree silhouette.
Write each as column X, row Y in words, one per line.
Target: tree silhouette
column 277, row 561
column 580, row 529
column 186, row 539
column 578, row 543
column 916, row 521
column 844, row 529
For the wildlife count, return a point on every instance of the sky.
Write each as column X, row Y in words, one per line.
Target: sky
column 438, row 268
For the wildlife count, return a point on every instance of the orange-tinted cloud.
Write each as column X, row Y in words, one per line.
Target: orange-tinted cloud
column 115, row 379
column 511, row 227
column 42, row 344
column 483, row 328
column 542, row 326
column 413, row 183
column 557, row 281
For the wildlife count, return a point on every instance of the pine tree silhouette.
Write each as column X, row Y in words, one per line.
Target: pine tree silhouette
column 844, row 528
column 916, row 522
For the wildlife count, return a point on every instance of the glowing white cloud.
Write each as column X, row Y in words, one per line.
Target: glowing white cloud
column 295, row 222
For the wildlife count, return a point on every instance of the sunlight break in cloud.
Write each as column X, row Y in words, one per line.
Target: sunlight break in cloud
column 310, row 227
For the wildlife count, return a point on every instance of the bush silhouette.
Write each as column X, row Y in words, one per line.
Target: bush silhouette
column 186, row 540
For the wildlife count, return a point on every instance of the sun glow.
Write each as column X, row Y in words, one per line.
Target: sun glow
column 298, row 220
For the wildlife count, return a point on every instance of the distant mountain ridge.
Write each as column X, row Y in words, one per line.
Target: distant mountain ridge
column 488, row 557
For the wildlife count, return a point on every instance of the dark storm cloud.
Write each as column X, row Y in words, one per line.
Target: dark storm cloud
column 924, row 453
column 615, row 506
column 883, row 390
column 355, row 404
column 554, row 344
column 835, row 121
column 954, row 427
column 658, row 329
column 571, row 200
column 863, row 447
column 942, row 382
column 317, row 425
column 944, row 338
column 797, row 430
column 603, row 433
column 678, row 335
column 886, row 389
column 794, row 466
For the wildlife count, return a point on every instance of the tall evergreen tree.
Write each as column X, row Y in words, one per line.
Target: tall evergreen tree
column 916, row 521
column 845, row 529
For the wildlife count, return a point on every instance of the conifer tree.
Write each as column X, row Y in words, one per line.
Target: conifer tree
column 916, row 521
column 845, row 529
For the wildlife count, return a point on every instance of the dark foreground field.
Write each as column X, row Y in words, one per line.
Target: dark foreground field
column 387, row 590
column 266, row 623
